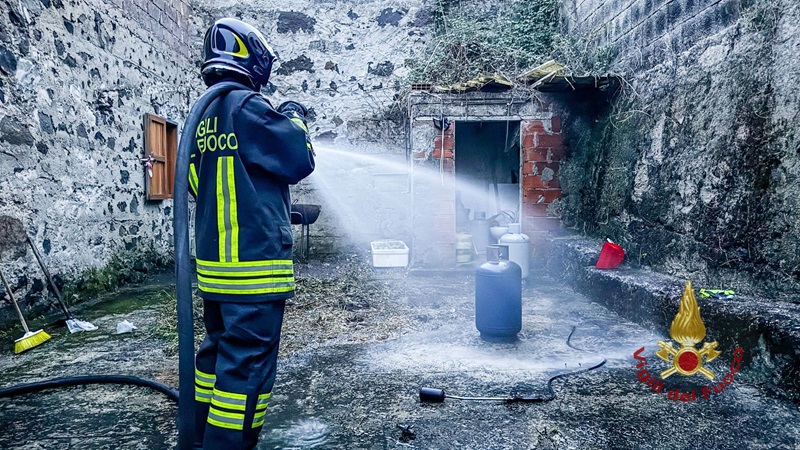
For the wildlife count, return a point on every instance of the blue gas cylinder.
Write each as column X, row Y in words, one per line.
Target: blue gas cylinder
column 498, row 298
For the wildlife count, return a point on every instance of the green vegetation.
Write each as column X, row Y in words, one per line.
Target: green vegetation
column 124, row 267
column 167, row 323
column 762, row 16
column 513, row 37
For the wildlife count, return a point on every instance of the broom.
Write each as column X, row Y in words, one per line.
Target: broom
column 74, row 325
column 30, row 339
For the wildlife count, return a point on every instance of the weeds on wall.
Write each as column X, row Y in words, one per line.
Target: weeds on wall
column 689, row 214
column 515, row 36
column 581, row 55
column 762, row 15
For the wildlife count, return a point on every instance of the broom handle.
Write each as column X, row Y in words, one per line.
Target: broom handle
column 49, row 279
column 16, row 306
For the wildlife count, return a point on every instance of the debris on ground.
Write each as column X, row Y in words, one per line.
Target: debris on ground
column 407, row 433
column 125, row 327
column 167, row 324
column 354, row 395
column 344, row 303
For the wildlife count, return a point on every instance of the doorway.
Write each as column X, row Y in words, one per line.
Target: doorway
column 487, row 172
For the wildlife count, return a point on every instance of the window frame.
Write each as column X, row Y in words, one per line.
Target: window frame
column 161, row 185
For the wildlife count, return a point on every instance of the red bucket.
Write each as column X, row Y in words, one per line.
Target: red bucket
column 611, row 256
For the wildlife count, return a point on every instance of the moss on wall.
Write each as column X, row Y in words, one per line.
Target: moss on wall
column 694, row 168
column 124, row 267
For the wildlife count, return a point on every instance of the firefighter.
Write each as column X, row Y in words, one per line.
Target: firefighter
column 245, row 155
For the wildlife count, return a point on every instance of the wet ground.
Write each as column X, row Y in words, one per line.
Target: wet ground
column 95, row 417
column 359, row 395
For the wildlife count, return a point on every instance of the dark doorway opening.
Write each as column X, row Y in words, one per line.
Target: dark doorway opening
column 487, row 170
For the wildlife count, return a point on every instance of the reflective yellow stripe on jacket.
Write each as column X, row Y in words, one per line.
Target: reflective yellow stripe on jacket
column 299, row 122
column 194, row 181
column 246, row 277
column 227, row 211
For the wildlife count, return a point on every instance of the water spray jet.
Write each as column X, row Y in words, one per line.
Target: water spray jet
column 371, row 196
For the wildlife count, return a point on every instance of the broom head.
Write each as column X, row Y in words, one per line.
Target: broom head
column 30, row 340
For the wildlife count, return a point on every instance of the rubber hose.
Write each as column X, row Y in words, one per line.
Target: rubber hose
column 88, row 379
column 183, row 265
column 551, row 394
column 433, row 395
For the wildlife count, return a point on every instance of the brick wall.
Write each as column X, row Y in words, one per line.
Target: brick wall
column 542, row 153
column 434, row 221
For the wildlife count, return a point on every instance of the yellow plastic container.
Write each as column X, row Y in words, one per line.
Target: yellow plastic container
column 463, row 248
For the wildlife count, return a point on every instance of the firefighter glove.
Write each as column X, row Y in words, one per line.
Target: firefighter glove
column 293, row 109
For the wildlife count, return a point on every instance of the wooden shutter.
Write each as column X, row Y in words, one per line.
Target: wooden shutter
column 161, row 145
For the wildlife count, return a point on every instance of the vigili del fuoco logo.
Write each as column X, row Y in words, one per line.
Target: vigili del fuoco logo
column 687, row 330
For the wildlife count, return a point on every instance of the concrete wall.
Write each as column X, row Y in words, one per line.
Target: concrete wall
column 695, row 165
column 75, row 79
column 345, row 60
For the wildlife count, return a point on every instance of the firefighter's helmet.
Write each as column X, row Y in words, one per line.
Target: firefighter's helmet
column 231, row 45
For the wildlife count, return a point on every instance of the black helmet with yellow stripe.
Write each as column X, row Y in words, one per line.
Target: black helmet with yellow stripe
column 231, row 45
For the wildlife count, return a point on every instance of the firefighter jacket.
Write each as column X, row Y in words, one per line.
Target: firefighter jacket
column 244, row 157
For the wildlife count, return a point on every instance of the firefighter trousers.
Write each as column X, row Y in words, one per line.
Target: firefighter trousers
column 234, row 373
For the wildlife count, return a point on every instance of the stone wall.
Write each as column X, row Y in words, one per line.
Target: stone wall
column 694, row 167
column 347, row 61
column 75, row 80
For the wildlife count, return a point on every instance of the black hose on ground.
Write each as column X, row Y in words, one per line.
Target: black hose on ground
column 433, row 395
column 183, row 264
column 88, row 379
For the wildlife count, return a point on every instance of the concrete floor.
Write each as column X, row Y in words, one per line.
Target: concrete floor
column 356, row 396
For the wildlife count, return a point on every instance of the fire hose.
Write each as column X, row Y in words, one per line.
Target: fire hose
column 183, row 267
column 88, row 379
